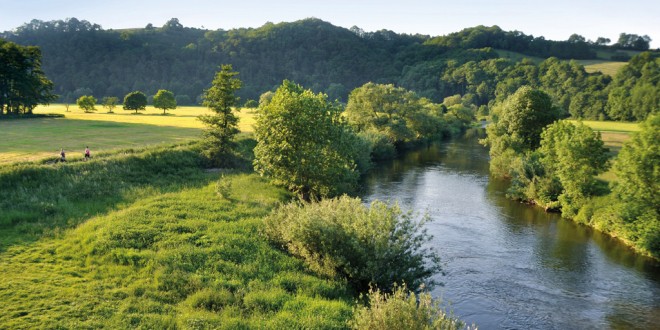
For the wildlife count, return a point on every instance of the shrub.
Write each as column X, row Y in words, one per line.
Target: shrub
column 403, row 309
column 376, row 245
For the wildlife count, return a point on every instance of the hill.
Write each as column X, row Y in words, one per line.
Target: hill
column 81, row 58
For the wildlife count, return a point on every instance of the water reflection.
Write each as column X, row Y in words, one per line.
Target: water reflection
column 509, row 265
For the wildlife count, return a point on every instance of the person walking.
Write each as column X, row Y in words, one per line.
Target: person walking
column 87, row 153
column 62, row 155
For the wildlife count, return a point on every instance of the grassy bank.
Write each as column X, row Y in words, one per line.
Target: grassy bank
column 143, row 240
column 42, row 138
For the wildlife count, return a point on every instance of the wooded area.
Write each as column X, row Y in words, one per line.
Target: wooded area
column 81, row 58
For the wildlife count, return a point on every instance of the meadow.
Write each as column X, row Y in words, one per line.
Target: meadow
column 143, row 239
column 42, row 138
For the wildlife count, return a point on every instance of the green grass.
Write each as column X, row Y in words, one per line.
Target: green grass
column 42, row 138
column 142, row 239
column 606, row 67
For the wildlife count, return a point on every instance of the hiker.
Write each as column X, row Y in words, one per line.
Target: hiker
column 62, row 156
column 87, row 154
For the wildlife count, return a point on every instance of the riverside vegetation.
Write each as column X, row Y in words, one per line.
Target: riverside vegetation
column 146, row 238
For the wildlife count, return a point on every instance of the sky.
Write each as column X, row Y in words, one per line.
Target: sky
column 552, row 19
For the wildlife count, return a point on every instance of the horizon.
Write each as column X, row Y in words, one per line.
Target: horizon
column 422, row 17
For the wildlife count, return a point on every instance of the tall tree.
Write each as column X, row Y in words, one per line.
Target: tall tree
column 223, row 125
column 23, row 85
column 574, row 154
column 516, row 126
column 165, row 100
column 304, row 144
column 135, row 101
column 638, row 186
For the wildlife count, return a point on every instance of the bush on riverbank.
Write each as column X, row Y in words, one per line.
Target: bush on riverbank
column 403, row 309
column 377, row 245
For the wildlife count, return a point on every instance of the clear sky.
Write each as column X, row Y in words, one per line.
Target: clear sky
column 553, row 19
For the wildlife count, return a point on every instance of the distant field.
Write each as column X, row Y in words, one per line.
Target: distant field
column 34, row 139
column 606, row 67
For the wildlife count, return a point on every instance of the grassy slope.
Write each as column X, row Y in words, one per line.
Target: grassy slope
column 153, row 247
column 606, row 67
column 35, row 139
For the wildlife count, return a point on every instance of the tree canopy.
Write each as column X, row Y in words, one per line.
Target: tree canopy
column 23, row 84
column 223, row 125
column 135, row 101
column 165, row 100
column 304, row 144
column 87, row 103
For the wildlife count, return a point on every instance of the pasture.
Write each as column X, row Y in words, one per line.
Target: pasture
column 41, row 138
column 606, row 67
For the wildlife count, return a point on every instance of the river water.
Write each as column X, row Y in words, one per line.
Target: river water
column 512, row 266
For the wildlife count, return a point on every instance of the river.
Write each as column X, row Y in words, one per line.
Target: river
column 512, row 266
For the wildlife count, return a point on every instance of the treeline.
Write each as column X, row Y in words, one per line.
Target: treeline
column 553, row 163
column 83, row 59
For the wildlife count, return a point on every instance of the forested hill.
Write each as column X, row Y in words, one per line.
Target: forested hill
column 82, row 58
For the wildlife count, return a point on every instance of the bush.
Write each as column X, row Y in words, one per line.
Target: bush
column 376, row 245
column 403, row 309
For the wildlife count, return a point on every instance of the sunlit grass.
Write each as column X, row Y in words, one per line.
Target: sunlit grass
column 606, row 67
column 35, row 139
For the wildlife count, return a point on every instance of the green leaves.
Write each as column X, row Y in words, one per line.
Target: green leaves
column 222, row 127
column 87, row 103
column 377, row 245
column 135, row 101
column 299, row 137
column 165, row 100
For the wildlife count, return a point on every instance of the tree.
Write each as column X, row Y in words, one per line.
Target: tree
column 516, row 127
column 574, row 154
column 633, row 41
column 165, row 100
column 135, row 101
column 87, row 103
column 110, row 102
column 23, row 85
column 637, row 168
column 223, row 125
column 603, row 41
column 304, row 144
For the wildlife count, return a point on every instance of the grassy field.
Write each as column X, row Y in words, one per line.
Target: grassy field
column 144, row 241
column 35, row 139
column 606, row 67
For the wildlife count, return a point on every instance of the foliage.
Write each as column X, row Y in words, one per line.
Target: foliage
column 222, row 127
column 574, row 154
column 110, row 102
column 87, row 103
column 23, row 84
column 304, row 144
column 633, row 41
column 376, row 245
column 135, row 101
column 516, row 126
column 165, row 100
column 140, row 240
column 403, row 309
column 635, row 90
column 638, row 186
